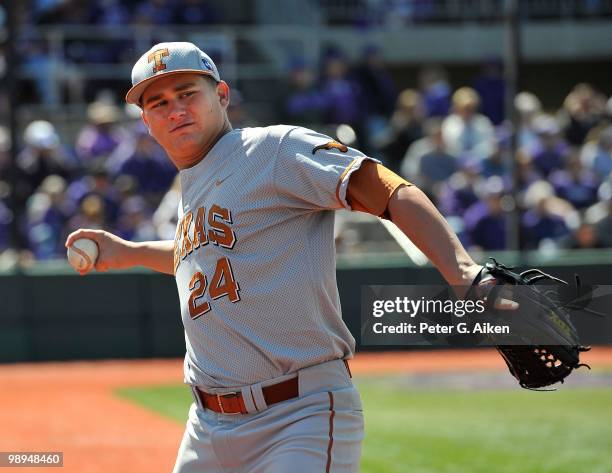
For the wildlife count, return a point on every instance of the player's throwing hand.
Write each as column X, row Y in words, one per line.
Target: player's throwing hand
column 114, row 252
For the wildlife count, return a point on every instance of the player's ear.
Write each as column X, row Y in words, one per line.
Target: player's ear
column 223, row 92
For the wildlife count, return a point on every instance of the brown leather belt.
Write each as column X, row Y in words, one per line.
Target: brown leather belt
column 233, row 403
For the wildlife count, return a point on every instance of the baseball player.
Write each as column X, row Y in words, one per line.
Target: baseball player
column 254, row 263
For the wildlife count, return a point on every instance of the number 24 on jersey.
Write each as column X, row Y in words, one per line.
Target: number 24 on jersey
column 222, row 284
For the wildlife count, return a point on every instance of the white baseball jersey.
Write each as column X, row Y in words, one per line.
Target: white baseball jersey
column 255, row 256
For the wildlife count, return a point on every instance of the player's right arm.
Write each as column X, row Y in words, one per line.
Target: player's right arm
column 117, row 253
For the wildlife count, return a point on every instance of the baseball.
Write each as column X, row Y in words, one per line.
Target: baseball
column 82, row 254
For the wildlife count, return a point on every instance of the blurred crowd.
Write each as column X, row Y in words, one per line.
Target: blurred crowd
column 118, row 12
column 455, row 145
column 113, row 176
column 452, row 142
column 44, row 64
column 399, row 13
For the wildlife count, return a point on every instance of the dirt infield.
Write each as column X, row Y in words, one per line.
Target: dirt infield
column 70, row 407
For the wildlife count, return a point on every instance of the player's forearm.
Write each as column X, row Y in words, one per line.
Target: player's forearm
column 155, row 255
column 418, row 218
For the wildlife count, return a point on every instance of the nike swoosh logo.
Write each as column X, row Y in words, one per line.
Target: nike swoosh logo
column 218, row 182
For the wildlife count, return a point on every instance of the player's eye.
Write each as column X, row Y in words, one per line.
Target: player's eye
column 158, row 104
column 188, row 93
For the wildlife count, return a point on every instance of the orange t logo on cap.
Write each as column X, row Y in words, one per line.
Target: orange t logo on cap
column 157, row 57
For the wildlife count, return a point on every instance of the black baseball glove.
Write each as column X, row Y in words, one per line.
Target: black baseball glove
column 544, row 348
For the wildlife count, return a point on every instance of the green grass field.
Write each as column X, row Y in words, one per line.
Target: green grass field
column 444, row 431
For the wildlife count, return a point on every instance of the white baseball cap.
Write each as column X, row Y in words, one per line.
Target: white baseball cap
column 168, row 58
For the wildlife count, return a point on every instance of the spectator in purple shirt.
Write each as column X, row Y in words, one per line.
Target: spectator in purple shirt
column 146, row 163
column 526, row 171
column 540, row 223
column 491, row 86
column 575, row 183
column 97, row 182
column 303, row 103
column 99, row 138
column 372, row 76
column 135, row 222
column 550, row 152
column 458, row 193
column 495, row 165
column 485, row 221
column 436, row 91
column 341, row 94
column 377, row 96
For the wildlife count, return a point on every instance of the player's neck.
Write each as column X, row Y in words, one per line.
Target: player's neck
column 226, row 128
column 202, row 152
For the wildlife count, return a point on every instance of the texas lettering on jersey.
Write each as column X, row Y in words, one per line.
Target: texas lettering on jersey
column 195, row 231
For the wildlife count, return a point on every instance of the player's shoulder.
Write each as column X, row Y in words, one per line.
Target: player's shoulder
column 263, row 135
column 272, row 132
column 282, row 138
column 279, row 132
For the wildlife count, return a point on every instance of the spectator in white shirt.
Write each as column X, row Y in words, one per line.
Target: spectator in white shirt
column 467, row 133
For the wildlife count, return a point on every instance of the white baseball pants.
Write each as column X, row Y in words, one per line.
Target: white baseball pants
column 319, row 431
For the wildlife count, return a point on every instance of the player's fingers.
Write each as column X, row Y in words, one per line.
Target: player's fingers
column 505, row 300
column 506, row 304
column 95, row 235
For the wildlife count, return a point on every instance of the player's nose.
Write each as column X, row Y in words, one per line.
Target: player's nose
column 176, row 110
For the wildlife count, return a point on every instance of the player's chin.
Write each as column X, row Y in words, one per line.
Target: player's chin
column 187, row 141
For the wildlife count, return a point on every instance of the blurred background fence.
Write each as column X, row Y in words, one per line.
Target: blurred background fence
column 51, row 314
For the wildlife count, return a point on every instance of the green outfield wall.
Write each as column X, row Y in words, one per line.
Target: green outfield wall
column 48, row 312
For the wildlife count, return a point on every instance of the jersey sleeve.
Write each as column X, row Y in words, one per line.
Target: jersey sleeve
column 312, row 170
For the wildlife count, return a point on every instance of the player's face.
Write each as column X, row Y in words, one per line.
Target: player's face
column 185, row 113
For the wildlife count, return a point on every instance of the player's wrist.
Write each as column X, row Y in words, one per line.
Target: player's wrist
column 466, row 275
column 135, row 252
column 470, row 274
column 155, row 255
column 126, row 254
